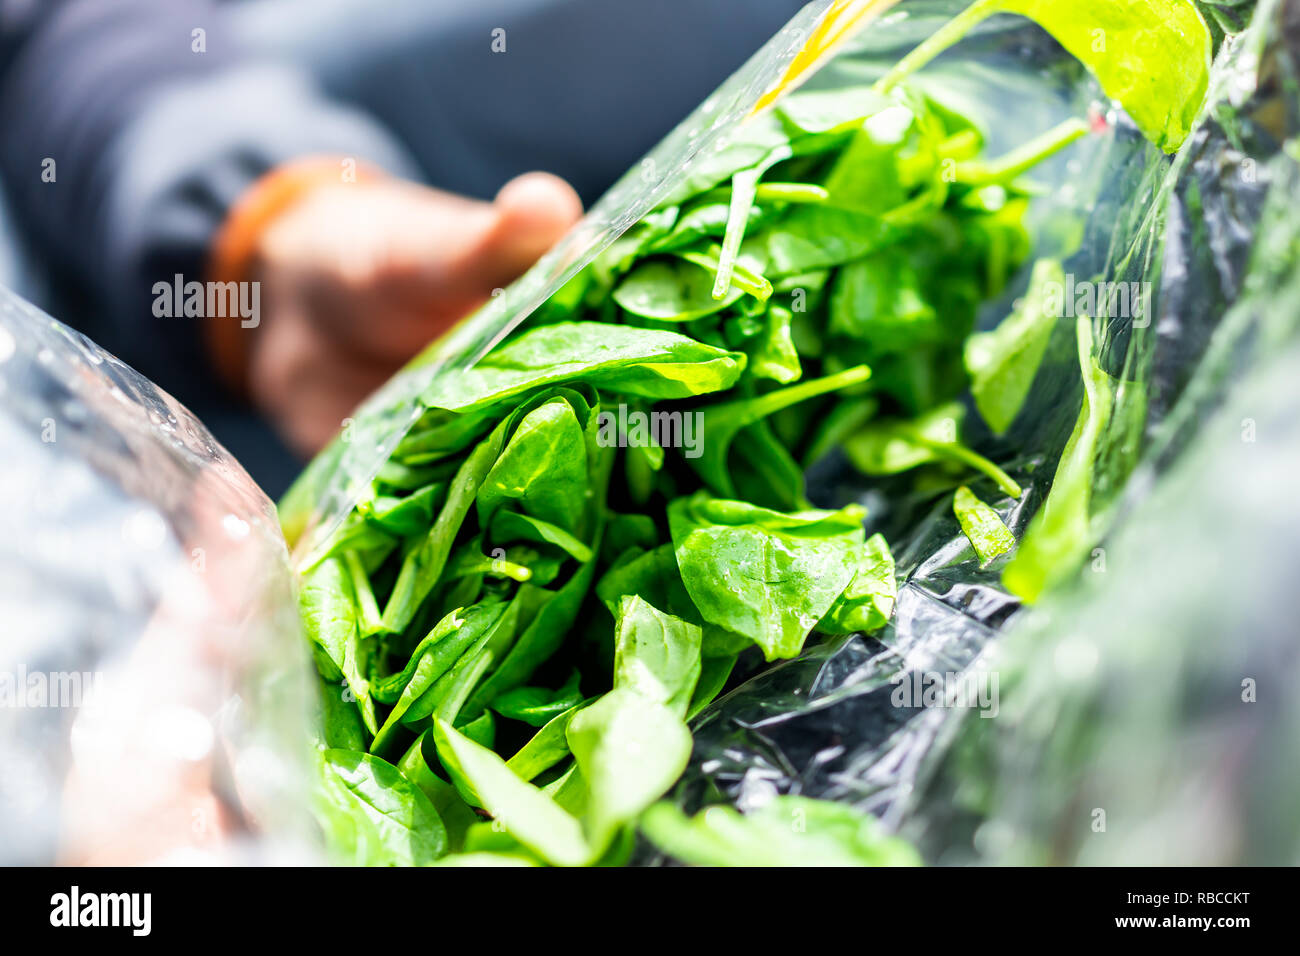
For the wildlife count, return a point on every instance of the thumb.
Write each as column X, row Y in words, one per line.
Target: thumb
column 532, row 213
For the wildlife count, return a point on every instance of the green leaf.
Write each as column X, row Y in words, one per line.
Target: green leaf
column 524, row 811
column 424, row 563
column 339, row 722
column 629, row 750
column 762, row 574
column 405, row 516
column 671, row 291
column 437, row 654
column 714, row 672
column 620, row 358
column 329, row 616
column 439, row 434
column 724, row 421
column 544, row 749
column 512, row 526
column 538, row 705
column 456, row 815
column 707, row 220
column 724, row 157
column 788, row 831
column 1151, row 55
column 878, row 301
column 824, row 111
column 541, row 639
column 984, row 529
column 744, row 190
column 654, row 577
column 890, row 446
column 542, row 469
column 818, row 237
column 1059, row 536
column 774, row 355
column 374, row 816
column 892, row 151
column 1002, row 363
column 656, row 654
column 868, row 602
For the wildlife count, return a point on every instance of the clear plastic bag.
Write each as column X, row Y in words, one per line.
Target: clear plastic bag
column 153, row 675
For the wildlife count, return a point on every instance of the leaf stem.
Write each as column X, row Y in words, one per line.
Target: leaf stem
column 947, row 35
column 1007, row 167
column 978, row 462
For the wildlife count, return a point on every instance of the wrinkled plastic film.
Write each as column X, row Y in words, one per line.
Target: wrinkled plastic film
column 1138, row 699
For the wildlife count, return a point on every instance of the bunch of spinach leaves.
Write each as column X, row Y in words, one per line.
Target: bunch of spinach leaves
column 522, row 612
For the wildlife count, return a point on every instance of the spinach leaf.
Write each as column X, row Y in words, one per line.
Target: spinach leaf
column 456, row 815
column 544, row 749
column 726, row 156
column 440, row 434
column 868, row 602
column 512, row 526
column 744, row 190
column 890, row 446
column 541, row 639
column 824, row 111
column 788, row 831
column 1002, row 363
column 438, row 653
column 877, row 301
column 762, row 574
column 810, row 238
column 542, row 470
column 774, row 355
column 339, row 720
column 329, row 617
column 1059, row 535
column 723, row 422
column 645, row 362
column 893, row 151
column 656, row 654
column 984, row 529
column 525, row 812
column 375, row 815
column 714, row 672
column 671, row 291
column 368, row 617
column 404, row 516
column 424, row 563
column 630, row 750
column 538, row 705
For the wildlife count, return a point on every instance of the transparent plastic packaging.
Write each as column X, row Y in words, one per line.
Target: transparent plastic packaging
column 154, row 694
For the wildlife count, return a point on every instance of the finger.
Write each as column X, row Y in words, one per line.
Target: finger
column 480, row 248
column 534, row 211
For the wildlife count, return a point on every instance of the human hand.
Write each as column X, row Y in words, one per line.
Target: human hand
column 356, row 278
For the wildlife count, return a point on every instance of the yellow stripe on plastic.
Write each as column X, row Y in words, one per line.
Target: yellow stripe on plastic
column 836, row 25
